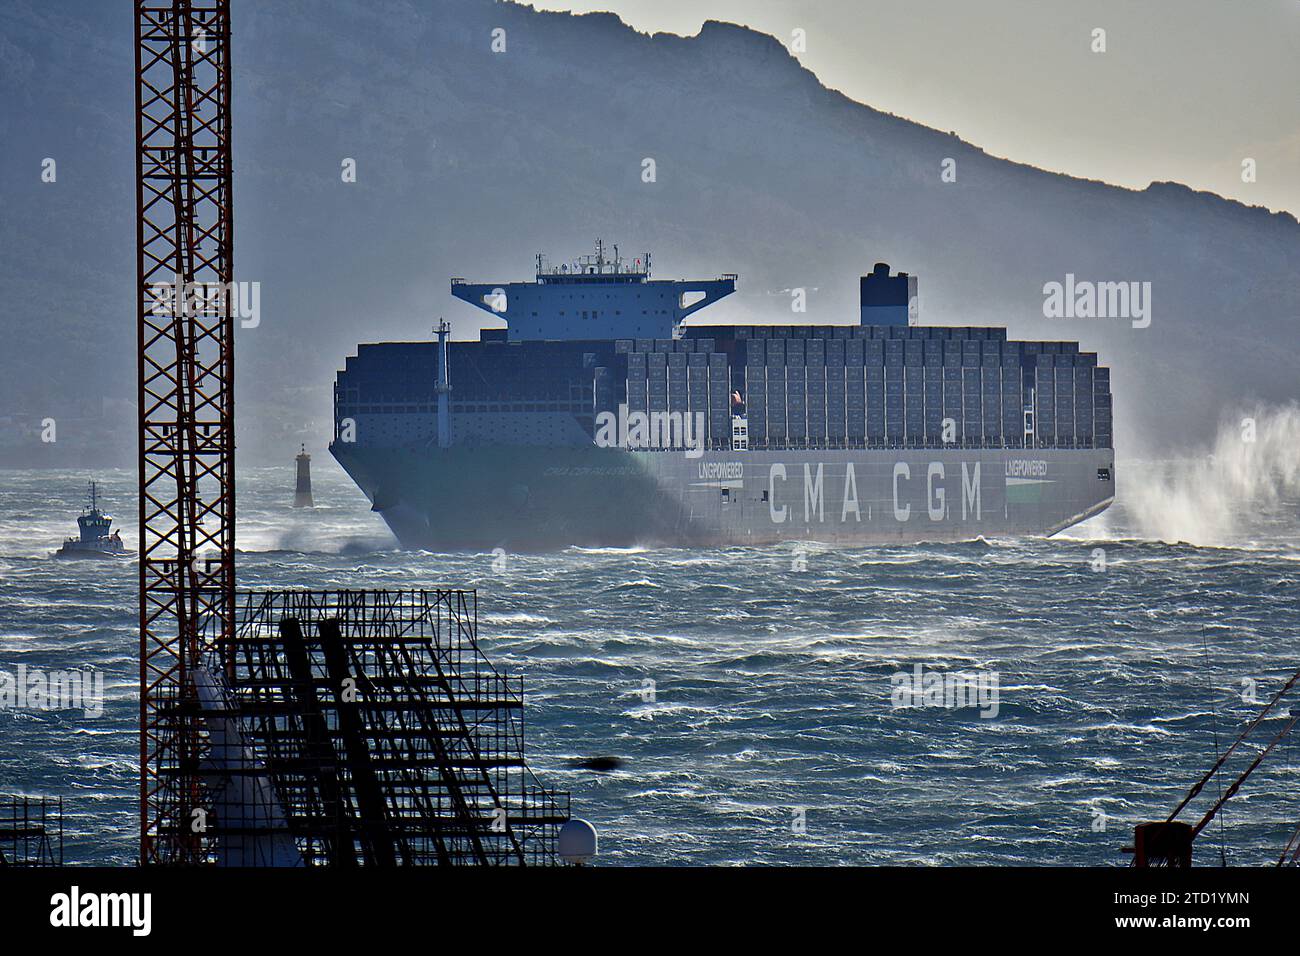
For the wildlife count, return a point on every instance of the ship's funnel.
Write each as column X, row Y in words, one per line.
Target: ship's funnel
column 886, row 299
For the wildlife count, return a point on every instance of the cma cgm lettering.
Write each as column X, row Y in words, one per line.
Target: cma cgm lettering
column 930, row 498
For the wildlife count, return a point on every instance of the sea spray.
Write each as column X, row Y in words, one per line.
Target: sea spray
column 1221, row 495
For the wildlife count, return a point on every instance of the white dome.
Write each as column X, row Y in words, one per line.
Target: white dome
column 577, row 841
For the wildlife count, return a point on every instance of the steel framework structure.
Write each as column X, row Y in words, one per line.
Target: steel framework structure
column 365, row 728
column 31, row 831
column 1169, row 842
column 186, row 377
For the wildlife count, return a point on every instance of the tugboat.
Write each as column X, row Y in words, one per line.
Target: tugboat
column 95, row 540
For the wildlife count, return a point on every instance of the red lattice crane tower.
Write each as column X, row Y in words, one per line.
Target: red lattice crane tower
column 186, row 379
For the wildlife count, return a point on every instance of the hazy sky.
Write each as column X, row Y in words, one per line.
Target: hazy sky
column 1186, row 90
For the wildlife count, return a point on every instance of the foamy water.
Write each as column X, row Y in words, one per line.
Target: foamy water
column 772, row 686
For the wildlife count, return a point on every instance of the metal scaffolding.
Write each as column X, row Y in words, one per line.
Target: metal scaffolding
column 31, row 831
column 186, row 378
column 337, row 728
column 366, row 728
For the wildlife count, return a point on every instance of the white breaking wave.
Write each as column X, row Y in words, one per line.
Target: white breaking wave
column 1225, row 494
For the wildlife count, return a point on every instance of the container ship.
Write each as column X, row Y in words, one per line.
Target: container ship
column 599, row 418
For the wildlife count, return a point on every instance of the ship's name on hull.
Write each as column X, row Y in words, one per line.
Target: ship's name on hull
column 928, row 492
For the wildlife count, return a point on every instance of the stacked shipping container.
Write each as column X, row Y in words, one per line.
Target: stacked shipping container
column 837, row 386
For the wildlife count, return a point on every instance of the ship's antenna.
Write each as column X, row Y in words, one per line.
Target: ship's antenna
column 443, row 386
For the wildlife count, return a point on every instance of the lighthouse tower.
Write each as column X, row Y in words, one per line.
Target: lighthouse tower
column 302, row 491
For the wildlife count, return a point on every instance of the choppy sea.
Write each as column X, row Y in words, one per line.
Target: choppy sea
column 772, row 736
